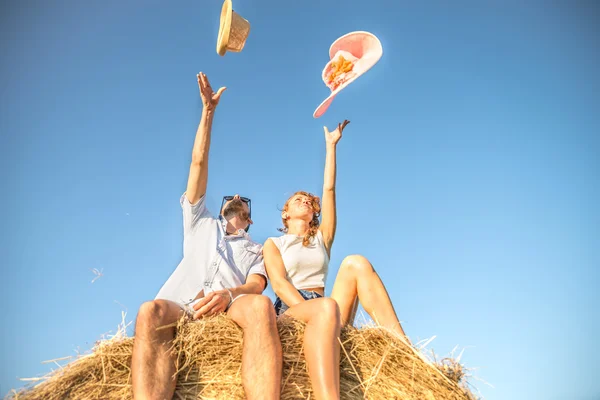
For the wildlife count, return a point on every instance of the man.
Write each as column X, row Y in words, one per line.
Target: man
column 222, row 270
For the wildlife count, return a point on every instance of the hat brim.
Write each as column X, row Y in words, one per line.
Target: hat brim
column 224, row 27
column 345, row 41
column 327, row 102
column 366, row 61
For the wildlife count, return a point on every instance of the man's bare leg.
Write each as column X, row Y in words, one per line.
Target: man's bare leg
column 261, row 357
column 152, row 366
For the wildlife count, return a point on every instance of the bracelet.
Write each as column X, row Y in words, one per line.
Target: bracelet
column 230, row 299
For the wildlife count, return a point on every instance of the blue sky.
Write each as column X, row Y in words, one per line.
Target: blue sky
column 469, row 175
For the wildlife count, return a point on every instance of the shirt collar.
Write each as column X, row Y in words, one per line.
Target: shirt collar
column 240, row 233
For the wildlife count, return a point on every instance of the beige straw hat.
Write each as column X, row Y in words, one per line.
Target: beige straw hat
column 233, row 30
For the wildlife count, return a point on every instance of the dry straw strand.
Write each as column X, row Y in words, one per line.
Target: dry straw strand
column 376, row 364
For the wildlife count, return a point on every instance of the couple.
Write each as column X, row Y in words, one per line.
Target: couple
column 224, row 271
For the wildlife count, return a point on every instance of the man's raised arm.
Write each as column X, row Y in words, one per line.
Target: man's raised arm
column 198, row 177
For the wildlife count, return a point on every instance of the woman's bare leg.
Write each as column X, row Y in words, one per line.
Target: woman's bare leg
column 321, row 345
column 357, row 280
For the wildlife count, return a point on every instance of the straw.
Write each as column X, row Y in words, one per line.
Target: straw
column 374, row 364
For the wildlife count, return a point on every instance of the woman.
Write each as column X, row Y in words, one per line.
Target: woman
column 297, row 265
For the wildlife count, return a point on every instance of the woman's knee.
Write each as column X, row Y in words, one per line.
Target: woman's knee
column 357, row 264
column 328, row 308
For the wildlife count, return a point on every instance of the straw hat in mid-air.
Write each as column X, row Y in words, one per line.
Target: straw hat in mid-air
column 233, row 30
column 350, row 56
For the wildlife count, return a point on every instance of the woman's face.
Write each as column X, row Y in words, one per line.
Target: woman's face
column 300, row 206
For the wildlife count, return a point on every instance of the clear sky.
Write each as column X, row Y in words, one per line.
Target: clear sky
column 469, row 174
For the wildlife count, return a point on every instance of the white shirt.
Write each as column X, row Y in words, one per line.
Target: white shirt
column 212, row 260
column 306, row 266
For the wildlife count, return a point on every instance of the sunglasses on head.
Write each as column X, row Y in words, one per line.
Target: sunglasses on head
column 245, row 200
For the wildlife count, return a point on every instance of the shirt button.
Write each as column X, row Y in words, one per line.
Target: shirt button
column 214, row 263
column 205, row 283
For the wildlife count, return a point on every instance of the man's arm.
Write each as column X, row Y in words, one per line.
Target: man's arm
column 217, row 301
column 328, row 208
column 255, row 284
column 198, row 176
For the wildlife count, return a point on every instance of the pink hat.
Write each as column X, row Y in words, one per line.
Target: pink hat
column 350, row 56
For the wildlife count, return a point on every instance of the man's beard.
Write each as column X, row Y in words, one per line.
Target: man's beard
column 235, row 207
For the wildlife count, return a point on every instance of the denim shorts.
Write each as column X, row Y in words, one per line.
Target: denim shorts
column 281, row 307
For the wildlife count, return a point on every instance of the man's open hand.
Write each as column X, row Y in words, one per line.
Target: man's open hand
column 210, row 99
column 212, row 304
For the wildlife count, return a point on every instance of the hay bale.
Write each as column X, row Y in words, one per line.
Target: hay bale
column 374, row 365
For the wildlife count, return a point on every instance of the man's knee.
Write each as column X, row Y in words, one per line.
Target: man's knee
column 356, row 264
column 258, row 311
column 261, row 306
column 155, row 312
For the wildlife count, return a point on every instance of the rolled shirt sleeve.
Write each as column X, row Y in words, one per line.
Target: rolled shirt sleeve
column 258, row 266
column 193, row 213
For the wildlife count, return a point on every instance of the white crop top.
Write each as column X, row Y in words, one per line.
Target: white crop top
column 306, row 266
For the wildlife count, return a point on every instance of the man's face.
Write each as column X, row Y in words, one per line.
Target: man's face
column 237, row 207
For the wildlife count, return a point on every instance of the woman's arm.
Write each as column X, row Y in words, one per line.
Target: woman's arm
column 276, row 271
column 328, row 211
